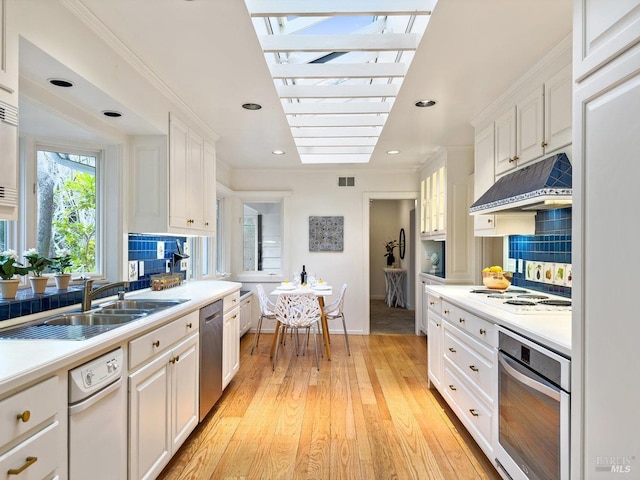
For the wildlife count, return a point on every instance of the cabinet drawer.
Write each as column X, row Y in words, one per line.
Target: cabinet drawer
column 475, row 360
column 38, row 455
column 434, row 304
column 230, row 301
column 472, row 412
column 479, row 328
column 145, row 347
column 34, row 405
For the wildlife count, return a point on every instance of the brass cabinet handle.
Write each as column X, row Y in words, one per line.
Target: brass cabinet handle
column 437, row 324
column 482, row 331
column 189, row 325
column 206, row 224
column 175, row 359
column 473, row 368
column 452, row 350
column 446, row 312
column 543, row 144
column 516, row 158
column 17, row 471
column 452, row 388
column 235, row 316
column 474, row 412
column 24, row 416
column 156, row 343
column 511, row 160
column 432, row 303
column 461, row 319
column 489, row 220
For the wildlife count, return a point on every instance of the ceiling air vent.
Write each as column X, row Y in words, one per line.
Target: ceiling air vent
column 346, row 181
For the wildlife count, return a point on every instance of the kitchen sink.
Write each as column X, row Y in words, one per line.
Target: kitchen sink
column 142, row 304
column 98, row 318
column 124, row 311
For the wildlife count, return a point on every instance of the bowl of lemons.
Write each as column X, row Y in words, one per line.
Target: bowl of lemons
column 496, row 278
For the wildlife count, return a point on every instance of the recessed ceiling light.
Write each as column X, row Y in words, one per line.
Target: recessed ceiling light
column 60, row 82
column 425, row 103
column 251, row 106
column 111, row 113
column 278, row 152
column 393, row 152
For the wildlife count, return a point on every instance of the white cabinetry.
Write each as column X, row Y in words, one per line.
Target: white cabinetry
column 163, row 394
column 174, row 193
column 434, row 339
column 469, row 376
column 8, row 54
column 230, row 338
column 33, row 433
column 434, row 198
column 606, row 167
column 245, row 314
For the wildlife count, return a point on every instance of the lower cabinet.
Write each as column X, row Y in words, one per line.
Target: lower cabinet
column 230, row 346
column 245, row 314
column 163, row 403
column 435, row 339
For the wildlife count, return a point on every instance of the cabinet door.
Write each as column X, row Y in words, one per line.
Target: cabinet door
column 505, row 141
column 484, row 176
column 184, row 388
column 195, row 182
column 434, row 352
column 425, row 308
column 230, row 346
column 209, row 189
column 423, row 206
column 245, row 316
column 558, row 95
column 440, row 200
column 428, row 204
column 603, row 30
column 8, row 55
column 530, row 127
column 149, row 419
column 178, row 168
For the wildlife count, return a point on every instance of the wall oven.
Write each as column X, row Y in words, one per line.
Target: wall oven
column 533, row 416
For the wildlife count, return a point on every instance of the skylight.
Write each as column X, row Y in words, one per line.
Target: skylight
column 337, row 66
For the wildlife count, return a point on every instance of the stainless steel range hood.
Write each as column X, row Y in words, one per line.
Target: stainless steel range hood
column 543, row 185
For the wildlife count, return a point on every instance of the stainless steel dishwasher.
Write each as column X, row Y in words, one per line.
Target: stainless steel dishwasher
column 211, row 318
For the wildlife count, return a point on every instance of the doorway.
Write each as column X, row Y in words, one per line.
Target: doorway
column 387, row 214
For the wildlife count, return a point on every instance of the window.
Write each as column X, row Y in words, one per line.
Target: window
column 262, row 237
column 67, row 213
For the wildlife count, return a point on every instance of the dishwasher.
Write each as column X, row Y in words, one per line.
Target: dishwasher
column 211, row 322
column 98, row 419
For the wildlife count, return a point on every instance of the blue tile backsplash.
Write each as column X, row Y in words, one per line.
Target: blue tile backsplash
column 551, row 243
column 141, row 247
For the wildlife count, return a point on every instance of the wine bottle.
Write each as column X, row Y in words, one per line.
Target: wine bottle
column 303, row 276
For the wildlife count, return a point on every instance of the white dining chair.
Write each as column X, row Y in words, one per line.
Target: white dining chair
column 335, row 310
column 267, row 309
column 296, row 311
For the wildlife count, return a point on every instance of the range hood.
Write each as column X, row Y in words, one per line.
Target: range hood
column 544, row 185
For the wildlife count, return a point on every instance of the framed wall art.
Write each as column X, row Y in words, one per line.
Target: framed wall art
column 326, row 234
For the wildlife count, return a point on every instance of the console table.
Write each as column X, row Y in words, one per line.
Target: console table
column 394, row 280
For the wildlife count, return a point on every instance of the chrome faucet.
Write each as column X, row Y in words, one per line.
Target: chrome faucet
column 89, row 294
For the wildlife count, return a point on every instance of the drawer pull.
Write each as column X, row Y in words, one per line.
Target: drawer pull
column 461, row 320
column 473, row 368
column 175, row 359
column 452, row 350
column 17, row 471
column 235, row 316
column 189, row 325
column 432, row 303
column 156, row 343
column 483, row 331
column 437, row 324
column 446, row 312
column 452, row 388
column 24, row 416
column 474, row 412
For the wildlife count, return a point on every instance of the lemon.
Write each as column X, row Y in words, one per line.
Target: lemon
column 486, row 269
column 495, row 268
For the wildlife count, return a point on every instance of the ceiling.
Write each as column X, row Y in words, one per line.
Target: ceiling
column 208, row 54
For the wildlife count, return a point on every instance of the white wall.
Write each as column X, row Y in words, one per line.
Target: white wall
column 315, row 192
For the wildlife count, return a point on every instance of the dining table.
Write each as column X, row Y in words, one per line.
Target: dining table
column 321, row 291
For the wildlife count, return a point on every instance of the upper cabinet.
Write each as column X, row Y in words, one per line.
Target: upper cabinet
column 434, row 202
column 538, row 124
column 174, row 193
column 8, row 55
column 606, row 29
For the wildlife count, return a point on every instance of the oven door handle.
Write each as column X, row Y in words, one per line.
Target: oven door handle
column 511, row 368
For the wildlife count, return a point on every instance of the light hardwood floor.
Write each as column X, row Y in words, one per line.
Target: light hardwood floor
column 367, row 416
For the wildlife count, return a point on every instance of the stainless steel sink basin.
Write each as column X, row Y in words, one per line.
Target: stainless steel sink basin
column 93, row 319
column 142, row 304
column 123, row 311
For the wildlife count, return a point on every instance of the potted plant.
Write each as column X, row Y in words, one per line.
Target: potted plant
column 36, row 263
column 9, row 268
column 61, row 264
column 390, row 257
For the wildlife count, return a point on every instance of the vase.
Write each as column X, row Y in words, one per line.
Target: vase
column 62, row 280
column 9, row 288
column 38, row 284
column 390, row 259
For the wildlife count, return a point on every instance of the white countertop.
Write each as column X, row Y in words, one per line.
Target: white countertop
column 550, row 330
column 22, row 361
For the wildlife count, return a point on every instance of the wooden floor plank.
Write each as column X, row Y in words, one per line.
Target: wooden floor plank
column 368, row 415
